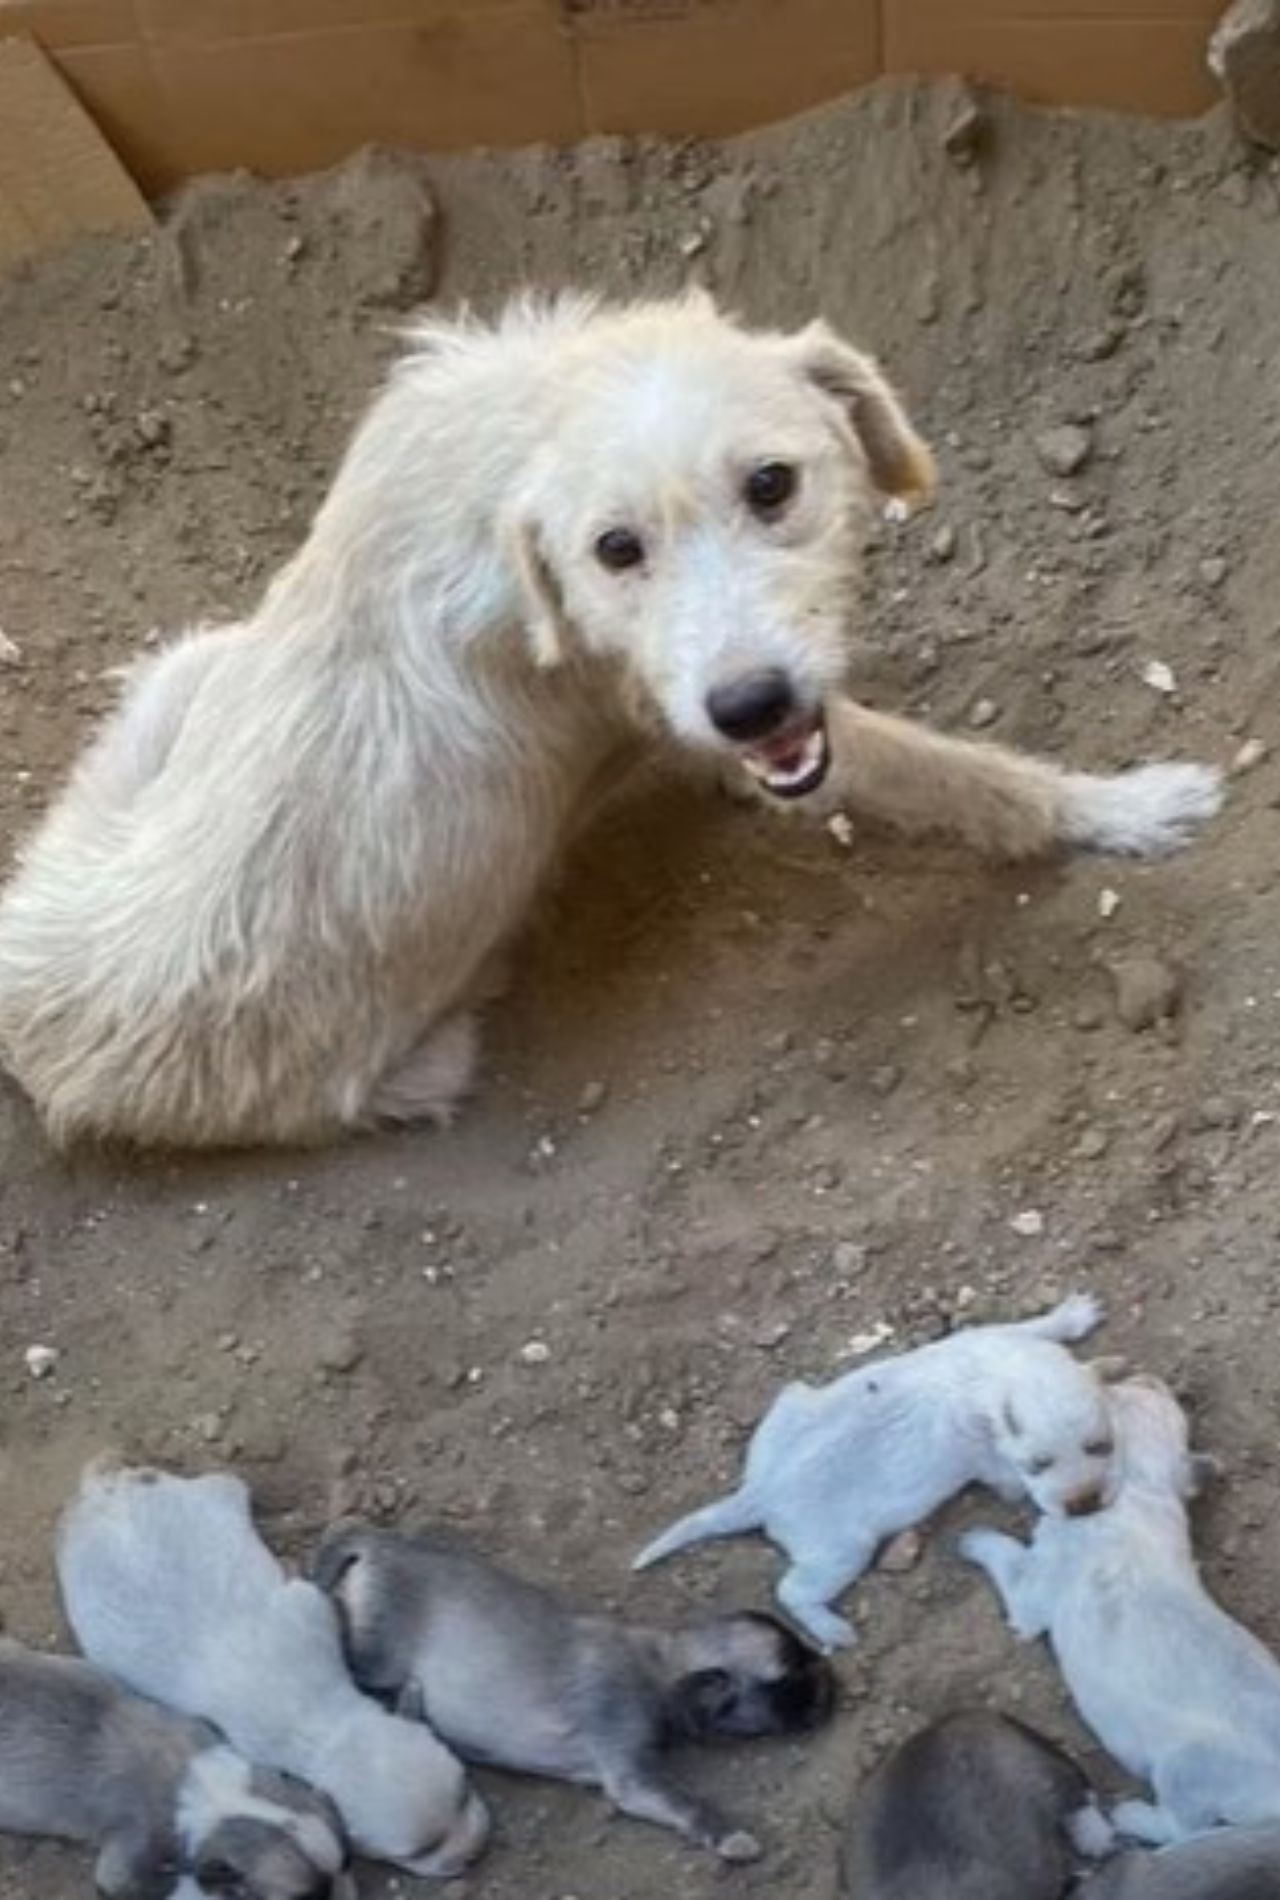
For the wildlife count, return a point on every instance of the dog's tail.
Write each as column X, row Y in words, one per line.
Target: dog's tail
column 1071, row 1319
column 727, row 1517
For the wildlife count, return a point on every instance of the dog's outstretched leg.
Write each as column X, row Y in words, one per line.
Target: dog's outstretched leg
column 1071, row 1319
column 806, row 1590
column 430, row 1082
column 1003, row 803
column 642, row 1789
column 1008, row 1564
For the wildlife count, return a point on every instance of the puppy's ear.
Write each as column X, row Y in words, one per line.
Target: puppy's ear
column 541, row 602
column 900, row 462
column 700, row 1702
column 1202, row 1470
column 1111, row 1368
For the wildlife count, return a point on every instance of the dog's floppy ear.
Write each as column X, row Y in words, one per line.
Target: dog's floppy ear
column 542, row 606
column 1202, row 1470
column 900, row 462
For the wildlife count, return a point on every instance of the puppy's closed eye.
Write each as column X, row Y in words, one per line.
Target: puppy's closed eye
column 1037, row 1466
column 1100, row 1448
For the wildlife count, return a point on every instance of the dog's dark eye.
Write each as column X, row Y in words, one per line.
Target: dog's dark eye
column 618, row 548
column 1100, row 1448
column 770, row 487
column 1039, row 1465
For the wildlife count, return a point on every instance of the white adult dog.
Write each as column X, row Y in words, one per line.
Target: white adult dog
column 168, row 1587
column 1176, row 1689
column 271, row 895
column 833, row 1470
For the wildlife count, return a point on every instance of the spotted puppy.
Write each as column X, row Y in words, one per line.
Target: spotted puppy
column 173, row 1812
column 509, row 1674
column 1179, row 1692
column 975, row 1807
column 834, row 1470
column 168, row 1585
column 1231, row 1863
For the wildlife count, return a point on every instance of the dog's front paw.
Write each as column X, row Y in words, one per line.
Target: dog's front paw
column 739, row 1846
column 1144, row 813
column 981, row 1547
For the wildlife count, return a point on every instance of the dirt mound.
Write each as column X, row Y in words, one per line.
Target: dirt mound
column 757, row 1094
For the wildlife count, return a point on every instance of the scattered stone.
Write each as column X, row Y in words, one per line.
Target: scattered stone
column 592, row 1097
column 876, row 1335
column 1251, row 754
column 1213, row 570
column 1065, row 450
column 840, row 826
column 1108, row 903
column 535, row 1352
column 1159, row 677
column 341, row 1351
column 1092, row 1145
column 770, row 1337
column 10, row 651
column 1148, row 991
column 1088, row 1017
column 41, row 1361
column 983, row 713
column 944, row 543
column 901, row 1553
column 1029, row 1224
column 1244, row 56
column 847, row 1257
column 966, row 127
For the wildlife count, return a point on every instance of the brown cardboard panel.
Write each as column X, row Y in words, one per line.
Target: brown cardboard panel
column 717, row 66
column 59, row 179
column 1134, row 55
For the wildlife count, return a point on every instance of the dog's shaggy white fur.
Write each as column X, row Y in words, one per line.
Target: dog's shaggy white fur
column 1176, row 1689
column 833, row 1470
column 168, row 1587
column 267, row 902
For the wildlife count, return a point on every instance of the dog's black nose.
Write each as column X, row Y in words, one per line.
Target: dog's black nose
column 1084, row 1503
column 753, row 706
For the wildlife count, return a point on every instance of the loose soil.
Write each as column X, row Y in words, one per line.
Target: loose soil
column 758, row 1093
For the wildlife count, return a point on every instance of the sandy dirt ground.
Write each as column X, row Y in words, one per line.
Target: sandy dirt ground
column 757, row 1092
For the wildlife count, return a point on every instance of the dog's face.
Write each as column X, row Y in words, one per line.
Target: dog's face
column 1154, row 1440
column 1053, row 1424
column 697, row 517
column 251, row 1859
column 750, row 1676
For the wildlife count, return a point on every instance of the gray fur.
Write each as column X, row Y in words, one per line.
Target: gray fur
column 975, row 1807
column 1232, row 1863
column 508, row 1674
column 84, row 1760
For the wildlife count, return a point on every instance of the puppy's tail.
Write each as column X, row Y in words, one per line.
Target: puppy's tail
column 1073, row 1318
column 727, row 1517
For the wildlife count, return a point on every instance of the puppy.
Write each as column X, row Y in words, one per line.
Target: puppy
column 1231, row 1863
column 833, row 1470
column 1178, row 1691
column 171, row 1809
column 168, row 1586
column 508, row 1674
column 975, row 1807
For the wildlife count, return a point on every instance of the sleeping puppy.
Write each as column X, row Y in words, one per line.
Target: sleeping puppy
column 834, row 1470
column 174, row 1813
column 1231, row 1863
column 508, row 1674
column 1178, row 1691
column 975, row 1807
column 168, row 1586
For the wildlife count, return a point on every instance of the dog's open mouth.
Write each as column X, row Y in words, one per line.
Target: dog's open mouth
column 792, row 763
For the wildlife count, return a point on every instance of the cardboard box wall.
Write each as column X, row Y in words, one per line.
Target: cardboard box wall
column 284, row 86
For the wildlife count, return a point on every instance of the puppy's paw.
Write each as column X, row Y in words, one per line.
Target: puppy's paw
column 981, row 1547
column 1090, row 1832
column 1144, row 813
column 826, row 1629
column 1077, row 1316
column 739, row 1846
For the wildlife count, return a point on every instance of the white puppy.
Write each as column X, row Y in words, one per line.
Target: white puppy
column 833, row 1470
column 270, row 898
column 168, row 1586
column 1176, row 1689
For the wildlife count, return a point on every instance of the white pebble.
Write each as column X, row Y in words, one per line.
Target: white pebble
column 1159, row 677
column 840, row 825
column 1029, row 1223
column 1251, row 753
column 535, row 1352
column 10, row 651
column 1108, row 903
column 41, row 1360
column 877, row 1335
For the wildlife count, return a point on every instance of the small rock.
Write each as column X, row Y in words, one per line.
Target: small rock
column 341, row 1351
column 10, row 651
column 535, row 1352
column 1029, row 1224
column 848, row 1258
column 885, row 1079
column 876, row 1335
column 902, row 1552
column 1213, row 570
column 943, row 545
column 1148, row 991
column 1088, row 1017
column 772, row 1336
column 1065, row 450
column 1159, row 677
column 1108, row 903
column 966, row 126
column 592, row 1097
column 1244, row 55
column 840, row 826
column 982, row 713
column 41, row 1361
column 1092, row 1145
column 1251, row 754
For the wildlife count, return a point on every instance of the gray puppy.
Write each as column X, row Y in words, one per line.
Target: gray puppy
column 1231, row 1863
column 174, row 1812
column 506, row 1673
column 975, row 1807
